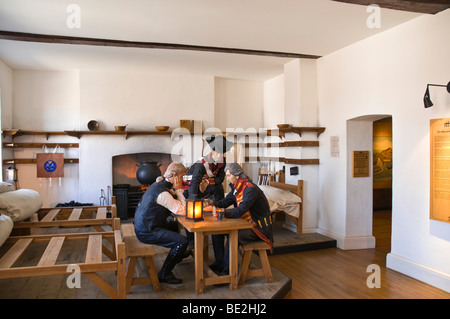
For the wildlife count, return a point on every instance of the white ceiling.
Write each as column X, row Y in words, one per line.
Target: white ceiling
column 316, row 27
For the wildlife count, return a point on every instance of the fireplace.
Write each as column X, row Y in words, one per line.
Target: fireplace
column 126, row 187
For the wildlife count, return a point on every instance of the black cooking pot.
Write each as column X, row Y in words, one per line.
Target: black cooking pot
column 147, row 172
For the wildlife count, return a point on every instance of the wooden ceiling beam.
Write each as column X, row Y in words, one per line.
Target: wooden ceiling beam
column 58, row 39
column 419, row 6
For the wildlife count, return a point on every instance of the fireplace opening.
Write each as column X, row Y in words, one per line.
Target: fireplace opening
column 126, row 187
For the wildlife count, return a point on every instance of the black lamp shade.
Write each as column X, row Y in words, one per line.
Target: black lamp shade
column 426, row 99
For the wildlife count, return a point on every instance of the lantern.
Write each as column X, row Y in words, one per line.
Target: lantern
column 11, row 174
column 194, row 210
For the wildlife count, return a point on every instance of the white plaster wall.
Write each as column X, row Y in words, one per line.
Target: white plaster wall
column 238, row 104
column 309, row 101
column 6, row 91
column 309, row 116
column 359, row 189
column 273, row 108
column 143, row 100
column 387, row 74
column 274, row 113
column 46, row 100
column 292, row 88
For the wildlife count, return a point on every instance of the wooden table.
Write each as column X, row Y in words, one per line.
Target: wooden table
column 211, row 226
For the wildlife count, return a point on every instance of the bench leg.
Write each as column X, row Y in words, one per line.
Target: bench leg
column 245, row 265
column 265, row 271
column 266, row 265
column 130, row 273
column 153, row 274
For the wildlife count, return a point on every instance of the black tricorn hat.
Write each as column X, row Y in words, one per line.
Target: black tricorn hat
column 219, row 143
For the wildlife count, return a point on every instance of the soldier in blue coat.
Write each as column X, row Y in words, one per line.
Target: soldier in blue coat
column 250, row 204
column 153, row 222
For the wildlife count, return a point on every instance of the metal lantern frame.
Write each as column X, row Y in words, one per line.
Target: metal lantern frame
column 194, row 209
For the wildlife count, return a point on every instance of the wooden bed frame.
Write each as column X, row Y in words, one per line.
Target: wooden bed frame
column 95, row 216
column 96, row 247
column 297, row 190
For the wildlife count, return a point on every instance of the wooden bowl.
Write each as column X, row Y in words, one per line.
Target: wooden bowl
column 120, row 128
column 162, row 128
column 283, row 126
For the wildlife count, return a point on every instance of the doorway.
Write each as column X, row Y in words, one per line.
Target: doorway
column 382, row 182
column 360, row 231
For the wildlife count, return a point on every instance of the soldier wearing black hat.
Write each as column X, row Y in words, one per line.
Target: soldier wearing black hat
column 205, row 177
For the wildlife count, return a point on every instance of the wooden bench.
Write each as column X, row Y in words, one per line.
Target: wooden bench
column 262, row 248
column 135, row 249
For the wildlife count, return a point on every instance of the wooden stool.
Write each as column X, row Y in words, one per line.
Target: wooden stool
column 135, row 249
column 262, row 248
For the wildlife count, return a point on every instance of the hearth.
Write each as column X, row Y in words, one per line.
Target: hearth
column 126, row 187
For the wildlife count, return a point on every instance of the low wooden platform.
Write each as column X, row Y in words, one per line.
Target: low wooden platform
column 286, row 241
column 54, row 287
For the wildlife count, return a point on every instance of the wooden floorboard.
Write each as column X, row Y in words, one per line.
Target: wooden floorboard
column 342, row 274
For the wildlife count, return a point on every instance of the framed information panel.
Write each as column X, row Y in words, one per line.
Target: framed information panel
column 440, row 169
column 360, row 163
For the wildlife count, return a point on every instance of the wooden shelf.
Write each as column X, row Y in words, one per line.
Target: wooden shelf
column 78, row 134
column 40, row 145
column 300, row 130
column 297, row 130
column 17, row 132
column 303, row 161
column 285, row 144
column 294, row 161
column 282, row 132
column 33, row 161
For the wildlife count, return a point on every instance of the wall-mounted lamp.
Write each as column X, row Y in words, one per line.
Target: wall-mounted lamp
column 426, row 98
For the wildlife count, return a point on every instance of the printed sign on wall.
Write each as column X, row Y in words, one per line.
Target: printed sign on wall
column 440, row 169
column 361, row 164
